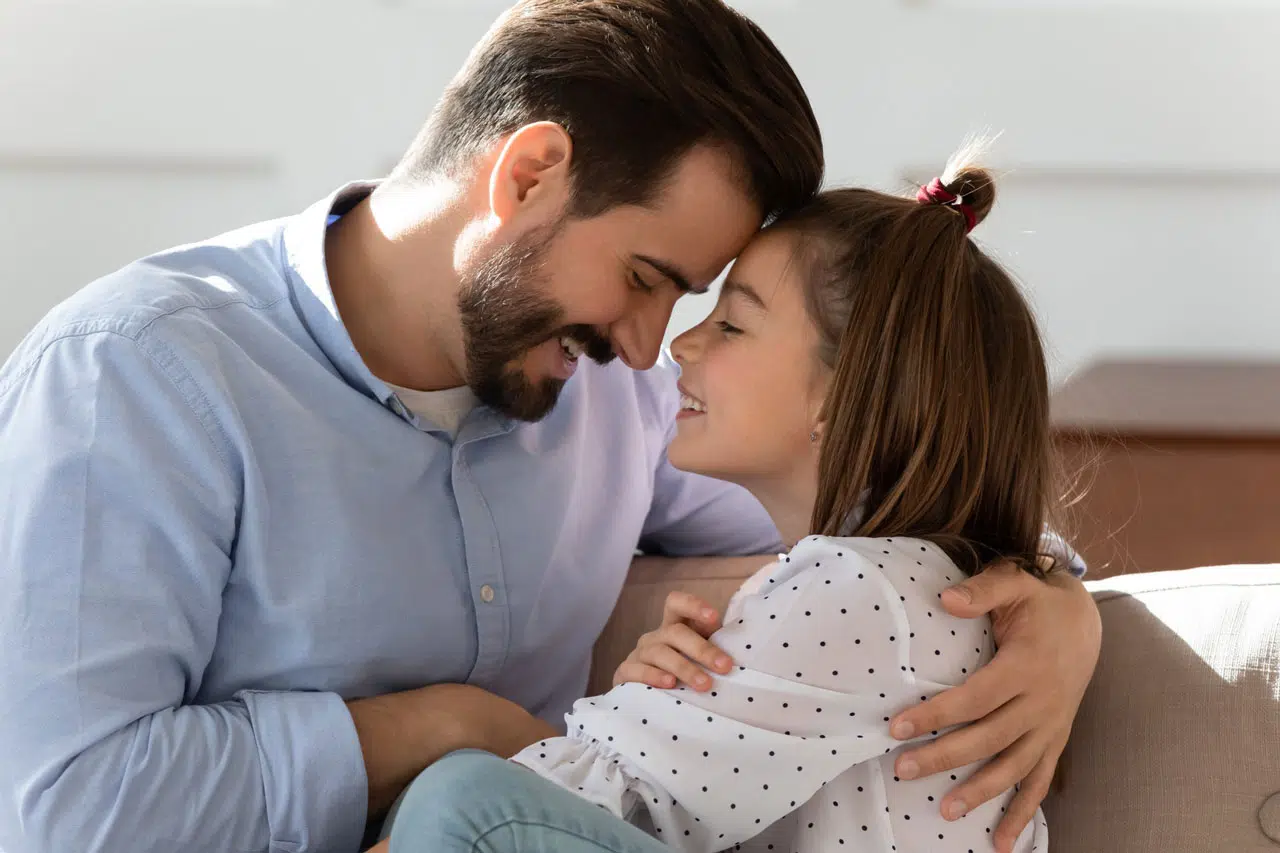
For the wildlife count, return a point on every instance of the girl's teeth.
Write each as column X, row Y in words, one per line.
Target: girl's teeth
column 687, row 402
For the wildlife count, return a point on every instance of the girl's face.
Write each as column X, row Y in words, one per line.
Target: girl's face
column 751, row 384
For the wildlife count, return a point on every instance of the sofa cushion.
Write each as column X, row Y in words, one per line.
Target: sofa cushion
column 1177, row 746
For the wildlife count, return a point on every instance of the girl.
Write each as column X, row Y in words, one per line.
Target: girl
column 879, row 384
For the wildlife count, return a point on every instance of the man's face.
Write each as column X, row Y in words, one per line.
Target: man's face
column 600, row 287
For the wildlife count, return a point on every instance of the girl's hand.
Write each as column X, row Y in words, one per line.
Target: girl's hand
column 678, row 651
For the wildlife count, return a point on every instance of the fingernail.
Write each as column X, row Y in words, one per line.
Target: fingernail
column 962, row 593
column 902, row 730
column 702, row 681
column 956, row 810
column 708, row 615
column 668, row 681
column 908, row 769
column 722, row 662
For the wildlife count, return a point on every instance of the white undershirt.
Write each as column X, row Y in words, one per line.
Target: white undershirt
column 446, row 409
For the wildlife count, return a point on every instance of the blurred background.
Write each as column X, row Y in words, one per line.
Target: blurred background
column 1140, row 155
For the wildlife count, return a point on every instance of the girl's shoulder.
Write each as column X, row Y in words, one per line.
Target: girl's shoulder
column 912, row 569
column 885, row 554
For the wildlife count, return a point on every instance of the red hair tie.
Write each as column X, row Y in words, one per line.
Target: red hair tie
column 936, row 193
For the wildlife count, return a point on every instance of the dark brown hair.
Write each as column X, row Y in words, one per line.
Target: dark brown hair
column 937, row 413
column 636, row 84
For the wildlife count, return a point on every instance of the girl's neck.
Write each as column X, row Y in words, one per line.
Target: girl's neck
column 790, row 505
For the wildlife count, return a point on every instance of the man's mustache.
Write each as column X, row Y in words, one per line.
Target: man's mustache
column 595, row 346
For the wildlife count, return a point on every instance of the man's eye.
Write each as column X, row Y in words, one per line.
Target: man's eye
column 640, row 282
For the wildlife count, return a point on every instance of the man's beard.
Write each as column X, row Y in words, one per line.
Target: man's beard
column 505, row 313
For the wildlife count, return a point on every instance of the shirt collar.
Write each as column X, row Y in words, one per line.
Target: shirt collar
column 304, row 237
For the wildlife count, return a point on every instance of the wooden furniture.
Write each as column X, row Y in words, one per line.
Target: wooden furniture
column 1178, row 462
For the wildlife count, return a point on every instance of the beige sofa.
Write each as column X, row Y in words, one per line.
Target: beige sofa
column 1177, row 746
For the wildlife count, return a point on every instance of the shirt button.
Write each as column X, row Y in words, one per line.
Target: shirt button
column 486, row 594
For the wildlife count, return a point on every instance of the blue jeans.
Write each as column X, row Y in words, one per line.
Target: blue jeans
column 474, row 802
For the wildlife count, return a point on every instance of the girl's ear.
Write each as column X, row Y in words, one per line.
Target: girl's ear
column 818, row 403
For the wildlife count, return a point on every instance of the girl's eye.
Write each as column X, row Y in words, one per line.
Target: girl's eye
column 727, row 328
column 640, row 282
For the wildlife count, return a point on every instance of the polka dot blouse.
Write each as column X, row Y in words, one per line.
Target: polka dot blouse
column 791, row 751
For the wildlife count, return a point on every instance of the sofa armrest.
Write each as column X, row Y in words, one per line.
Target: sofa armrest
column 1175, row 746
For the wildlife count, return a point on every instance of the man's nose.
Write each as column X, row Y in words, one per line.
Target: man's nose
column 638, row 337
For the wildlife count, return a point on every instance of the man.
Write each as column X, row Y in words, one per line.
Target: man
column 293, row 512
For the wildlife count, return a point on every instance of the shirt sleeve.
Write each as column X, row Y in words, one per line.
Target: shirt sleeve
column 823, row 653
column 692, row 515
column 117, row 522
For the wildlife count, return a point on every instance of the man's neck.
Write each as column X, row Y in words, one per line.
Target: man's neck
column 390, row 266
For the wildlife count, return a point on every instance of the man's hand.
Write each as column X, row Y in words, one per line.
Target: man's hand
column 1048, row 634
column 678, row 650
column 402, row 734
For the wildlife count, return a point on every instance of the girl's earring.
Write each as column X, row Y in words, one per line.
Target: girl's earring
column 813, row 436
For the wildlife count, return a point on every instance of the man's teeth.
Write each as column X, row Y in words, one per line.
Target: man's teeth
column 687, row 402
column 572, row 349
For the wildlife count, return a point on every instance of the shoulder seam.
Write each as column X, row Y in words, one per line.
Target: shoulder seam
column 182, row 384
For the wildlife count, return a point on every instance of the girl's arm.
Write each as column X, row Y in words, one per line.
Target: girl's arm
column 823, row 662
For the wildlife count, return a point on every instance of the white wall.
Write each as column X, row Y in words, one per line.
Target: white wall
column 1141, row 146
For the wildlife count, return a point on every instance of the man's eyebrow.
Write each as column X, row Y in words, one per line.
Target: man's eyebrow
column 746, row 291
column 669, row 270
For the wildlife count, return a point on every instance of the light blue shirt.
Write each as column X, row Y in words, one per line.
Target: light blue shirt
column 216, row 525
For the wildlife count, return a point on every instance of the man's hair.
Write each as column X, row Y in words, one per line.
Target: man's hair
column 637, row 84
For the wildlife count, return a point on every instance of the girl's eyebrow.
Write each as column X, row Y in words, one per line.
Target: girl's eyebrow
column 746, row 291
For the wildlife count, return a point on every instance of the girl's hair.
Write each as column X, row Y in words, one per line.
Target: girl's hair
column 937, row 414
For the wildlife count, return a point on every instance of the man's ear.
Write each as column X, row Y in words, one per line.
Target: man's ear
column 530, row 179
